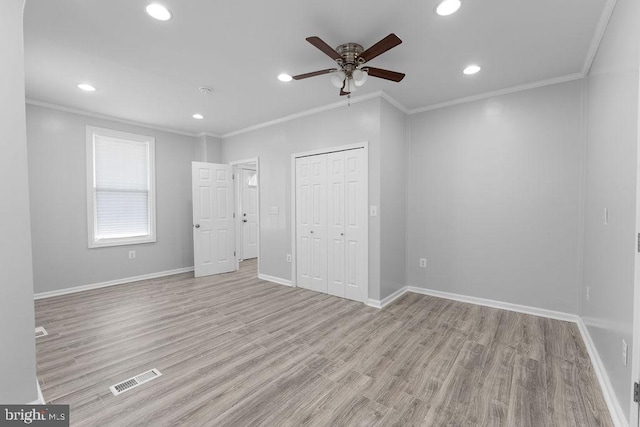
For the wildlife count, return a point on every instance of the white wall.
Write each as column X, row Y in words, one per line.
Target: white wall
column 17, row 339
column 393, row 199
column 274, row 145
column 611, row 165
column 57, row 172
column 494, row 198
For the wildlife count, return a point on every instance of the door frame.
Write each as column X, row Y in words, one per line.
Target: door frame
column 634, row 410
column 363, row 145
column 238, row 219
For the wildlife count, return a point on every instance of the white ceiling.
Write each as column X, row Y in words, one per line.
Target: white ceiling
column 149, row 71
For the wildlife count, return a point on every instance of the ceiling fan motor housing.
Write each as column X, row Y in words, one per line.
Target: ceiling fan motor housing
column 350, row 53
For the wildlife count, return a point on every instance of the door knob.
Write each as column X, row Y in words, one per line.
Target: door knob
column 244, row 220
column 342, row 234
column 311, row 231
column 197, row 226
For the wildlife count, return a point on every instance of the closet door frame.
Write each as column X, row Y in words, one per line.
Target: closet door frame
column 365, row 147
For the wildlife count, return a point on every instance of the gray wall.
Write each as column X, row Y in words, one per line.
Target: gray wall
column 17, row 339
column 393, row 199
column 494, row 198
column 57, row 172
column 274, row 145
column 609, row 250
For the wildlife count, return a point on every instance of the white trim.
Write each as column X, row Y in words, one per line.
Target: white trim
column 363, row 145
column 551, row 314
column 388, row 300
column 384, row 95
column 40, row 400
column 500, row 92
column 213, row 135
column 601, row 28
column 273, row 279
column 106, row 117
column 304, row 113
column 609, row 394
column 93, row 243
column 115, row 282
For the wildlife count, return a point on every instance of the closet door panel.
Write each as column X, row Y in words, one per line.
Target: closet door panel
column 318, row 228
column 356, row 231
column 303, row 222
column 336, row 224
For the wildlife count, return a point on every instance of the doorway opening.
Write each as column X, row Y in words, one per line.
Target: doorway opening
column 247, row 220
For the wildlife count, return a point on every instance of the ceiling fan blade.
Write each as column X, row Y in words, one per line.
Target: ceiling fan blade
column 313, row 74
column 381, row 47
column 320, row 44
column 385, row 74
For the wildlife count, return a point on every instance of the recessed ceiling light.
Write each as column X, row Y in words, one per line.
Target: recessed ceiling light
column 471, row 69
column 198, row 116
column 159, row 12
column 285, row 77
column 448, row 7
column 86, row 87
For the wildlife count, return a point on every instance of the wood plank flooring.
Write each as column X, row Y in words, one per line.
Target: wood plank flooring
column 235, row 350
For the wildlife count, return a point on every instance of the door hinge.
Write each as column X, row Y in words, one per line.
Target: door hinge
column 636, row 392
column 234, row 214
column 233, row 176
column 234, row 253
column 639, row 242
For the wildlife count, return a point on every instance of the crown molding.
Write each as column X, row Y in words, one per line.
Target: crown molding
column 506, row 91
column 384, row 95
column 213, row 135
column 598, row 36
column 106, row 117
column 305, row 113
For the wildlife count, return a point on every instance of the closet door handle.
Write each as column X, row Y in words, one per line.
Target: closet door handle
column 197, row 226
column 311, row 231
column 342, row 234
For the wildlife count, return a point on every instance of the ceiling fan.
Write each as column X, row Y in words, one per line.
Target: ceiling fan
column 351, row 59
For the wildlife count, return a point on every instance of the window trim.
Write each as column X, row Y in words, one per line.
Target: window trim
column 91, row 131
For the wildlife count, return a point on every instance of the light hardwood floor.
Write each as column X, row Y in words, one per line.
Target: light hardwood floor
column 235, row 350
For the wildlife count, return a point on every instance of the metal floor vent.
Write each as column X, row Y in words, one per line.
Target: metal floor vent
column 134, row 382
column 40, row 332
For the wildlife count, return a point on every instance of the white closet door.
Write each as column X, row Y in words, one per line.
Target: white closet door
column 311, row 218
column 336, row 223
column 356, row 232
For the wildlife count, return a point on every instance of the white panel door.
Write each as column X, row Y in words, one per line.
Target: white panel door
column 356, row 260
column 213, row 224
column 336, row 224
column 249, row 231
column 311, row 217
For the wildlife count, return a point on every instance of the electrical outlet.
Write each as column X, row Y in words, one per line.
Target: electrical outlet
column 625, row 349
column 586, row 293
column 132, row 254
column 288, row 257
column 423, row 262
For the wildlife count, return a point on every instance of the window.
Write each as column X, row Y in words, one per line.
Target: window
column 120, row 188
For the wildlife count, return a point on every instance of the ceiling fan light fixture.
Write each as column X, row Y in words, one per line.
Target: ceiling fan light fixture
column 448, row 7
column 349, row 86
column 337, row 79
column 158, row 12
column 359, row 77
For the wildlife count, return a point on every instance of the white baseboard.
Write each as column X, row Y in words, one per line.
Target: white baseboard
column 388, row 300
column 617, row 414
column 40, row 400
column 558, row 315
column 273, row 279
column 124, row 280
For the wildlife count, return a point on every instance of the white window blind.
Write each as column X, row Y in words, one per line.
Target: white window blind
column 122, row 205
